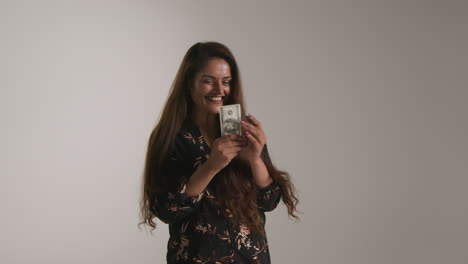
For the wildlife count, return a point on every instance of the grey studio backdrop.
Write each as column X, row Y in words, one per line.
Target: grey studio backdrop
column 364, row 103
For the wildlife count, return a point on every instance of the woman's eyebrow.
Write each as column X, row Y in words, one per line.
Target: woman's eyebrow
column 213, row 77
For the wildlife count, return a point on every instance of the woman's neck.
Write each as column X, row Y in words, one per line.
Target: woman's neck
column 207, row 124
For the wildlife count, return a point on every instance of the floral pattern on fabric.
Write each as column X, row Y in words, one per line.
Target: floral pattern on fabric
column 199, row 231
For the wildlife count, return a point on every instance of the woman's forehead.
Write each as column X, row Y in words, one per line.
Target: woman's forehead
column 217, row 68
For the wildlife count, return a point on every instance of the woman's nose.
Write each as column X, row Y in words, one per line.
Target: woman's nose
column 218, row 86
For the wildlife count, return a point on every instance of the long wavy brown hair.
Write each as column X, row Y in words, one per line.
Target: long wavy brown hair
column 235, row 188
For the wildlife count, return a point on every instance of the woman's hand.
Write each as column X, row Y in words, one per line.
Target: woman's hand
column 224, row 149
column 256, row 139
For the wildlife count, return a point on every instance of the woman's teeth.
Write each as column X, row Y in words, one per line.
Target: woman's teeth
column 217, row 99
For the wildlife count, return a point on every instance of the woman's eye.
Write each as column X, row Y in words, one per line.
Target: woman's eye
column 210, row 82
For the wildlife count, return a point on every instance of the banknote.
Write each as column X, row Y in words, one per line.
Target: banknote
column 229, row 119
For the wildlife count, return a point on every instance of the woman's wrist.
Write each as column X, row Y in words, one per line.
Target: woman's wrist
column 200, row 179
column 209, row 167
column 260, row 173
column 256, row 162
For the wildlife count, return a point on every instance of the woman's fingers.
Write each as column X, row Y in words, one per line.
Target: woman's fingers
column 255, row 132
column 233, row 151
column 236, row 149
column 254, row 121
column 231, row 138
column 253, row 139
column 237, row 144
column 233, row 143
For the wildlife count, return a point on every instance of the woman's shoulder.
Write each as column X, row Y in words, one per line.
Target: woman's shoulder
column 188, row 133
column 188, row 141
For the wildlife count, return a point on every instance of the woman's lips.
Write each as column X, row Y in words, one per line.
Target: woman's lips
column 216, row 102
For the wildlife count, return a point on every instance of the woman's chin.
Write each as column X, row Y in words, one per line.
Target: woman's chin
column 214, row 110
column 211, row 110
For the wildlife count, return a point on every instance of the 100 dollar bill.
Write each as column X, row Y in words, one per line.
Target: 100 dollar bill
column 229, row 119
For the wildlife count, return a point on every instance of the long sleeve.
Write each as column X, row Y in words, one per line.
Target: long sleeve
column 175, row 204
column 269, row 196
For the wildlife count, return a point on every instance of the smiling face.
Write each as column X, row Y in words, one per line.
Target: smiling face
column 211, row 87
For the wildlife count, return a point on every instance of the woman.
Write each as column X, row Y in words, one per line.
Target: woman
column 213, row 191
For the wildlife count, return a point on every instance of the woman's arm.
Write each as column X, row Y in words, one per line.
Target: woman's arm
column 176, row 203
column 184, row 188
column 223, row 151
column 268, row 197
column 269, row 193
column 200, row 179
column 260, row 173
column 190, row 186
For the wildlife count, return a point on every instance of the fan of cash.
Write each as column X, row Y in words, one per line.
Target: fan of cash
column 229, row 119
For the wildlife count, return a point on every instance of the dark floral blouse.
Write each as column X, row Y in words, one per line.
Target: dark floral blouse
column 199, row 233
